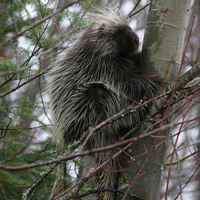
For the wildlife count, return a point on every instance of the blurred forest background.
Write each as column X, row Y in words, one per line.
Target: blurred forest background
column 32, row 34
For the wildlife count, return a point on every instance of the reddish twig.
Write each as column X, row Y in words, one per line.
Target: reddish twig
column 192, row 154
column 187, row 182
column 106, row 148
column 129, row 16
column 137, row 175
column 174, row 149
column 86, row 10
column 177, row 78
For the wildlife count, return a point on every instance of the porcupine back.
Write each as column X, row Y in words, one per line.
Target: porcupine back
column 96, row 78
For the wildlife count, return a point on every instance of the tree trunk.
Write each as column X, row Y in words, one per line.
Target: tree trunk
column 162, row 53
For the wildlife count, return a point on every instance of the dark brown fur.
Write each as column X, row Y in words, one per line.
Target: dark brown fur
column 98, row 77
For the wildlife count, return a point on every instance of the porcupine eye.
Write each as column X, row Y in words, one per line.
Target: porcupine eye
column 127, row 41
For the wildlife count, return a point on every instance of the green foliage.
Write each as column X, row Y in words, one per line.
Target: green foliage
column 22, row 110
column 18, row 182
column 17, row 151
column 7, row 65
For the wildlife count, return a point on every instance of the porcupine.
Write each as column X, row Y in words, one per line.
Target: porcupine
column 96, row 78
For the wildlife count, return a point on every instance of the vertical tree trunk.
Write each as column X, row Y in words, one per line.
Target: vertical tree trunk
column 164, row 37
column 162, row 53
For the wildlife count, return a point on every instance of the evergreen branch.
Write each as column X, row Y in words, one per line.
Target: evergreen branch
column 39, row 22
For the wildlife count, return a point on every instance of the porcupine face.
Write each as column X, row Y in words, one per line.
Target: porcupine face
column 127, row 41
column 118, row 40
column 110, row 35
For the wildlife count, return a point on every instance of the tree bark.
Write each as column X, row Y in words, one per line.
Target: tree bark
column 161, row 54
